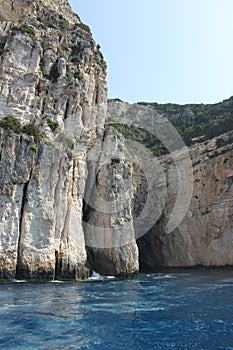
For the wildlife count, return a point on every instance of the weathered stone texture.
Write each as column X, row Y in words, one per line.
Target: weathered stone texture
column 52, row 79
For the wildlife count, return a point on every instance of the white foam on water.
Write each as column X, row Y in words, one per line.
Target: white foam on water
column 164, row 276
column 97, row 277
column 57, row 281
column 18, row 281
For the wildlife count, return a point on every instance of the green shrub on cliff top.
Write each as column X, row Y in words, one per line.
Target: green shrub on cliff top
column 84, row 27
column 195, row 121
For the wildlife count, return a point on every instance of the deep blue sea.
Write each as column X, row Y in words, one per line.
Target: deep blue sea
column 173, row 309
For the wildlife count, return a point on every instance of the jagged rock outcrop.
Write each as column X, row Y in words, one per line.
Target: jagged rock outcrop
column 53, row 102
column 109, row 229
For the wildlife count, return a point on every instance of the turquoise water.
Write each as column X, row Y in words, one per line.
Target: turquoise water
column 174, row 309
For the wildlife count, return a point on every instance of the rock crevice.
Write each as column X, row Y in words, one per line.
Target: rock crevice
column 23, row 205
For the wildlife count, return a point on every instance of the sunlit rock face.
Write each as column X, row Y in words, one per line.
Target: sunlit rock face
column 53, row 87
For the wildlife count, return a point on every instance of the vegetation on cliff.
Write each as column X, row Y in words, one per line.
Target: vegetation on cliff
column 13, row 125
column 198, row 120
column 194, row 122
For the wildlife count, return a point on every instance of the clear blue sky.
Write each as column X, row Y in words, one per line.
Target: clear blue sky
column 164, row 50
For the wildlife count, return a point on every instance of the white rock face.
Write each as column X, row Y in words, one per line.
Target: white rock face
column 53, row 104
column 52, row 82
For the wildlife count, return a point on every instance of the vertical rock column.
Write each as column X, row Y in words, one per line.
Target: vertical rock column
column 109, row 231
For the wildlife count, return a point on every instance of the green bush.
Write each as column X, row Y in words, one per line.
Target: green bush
column 84, row 27
column 75, row 49
column 24, row 28
column 129, row 171
column 78, row 75
column 43, row 70
column 52, row 124
column 115, row 99
column 101, row 62
column 32, row 130
column 11, row 124
column 141, row 136
column 34, row 148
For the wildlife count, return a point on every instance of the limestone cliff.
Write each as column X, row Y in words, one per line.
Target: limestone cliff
column 53, row 102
